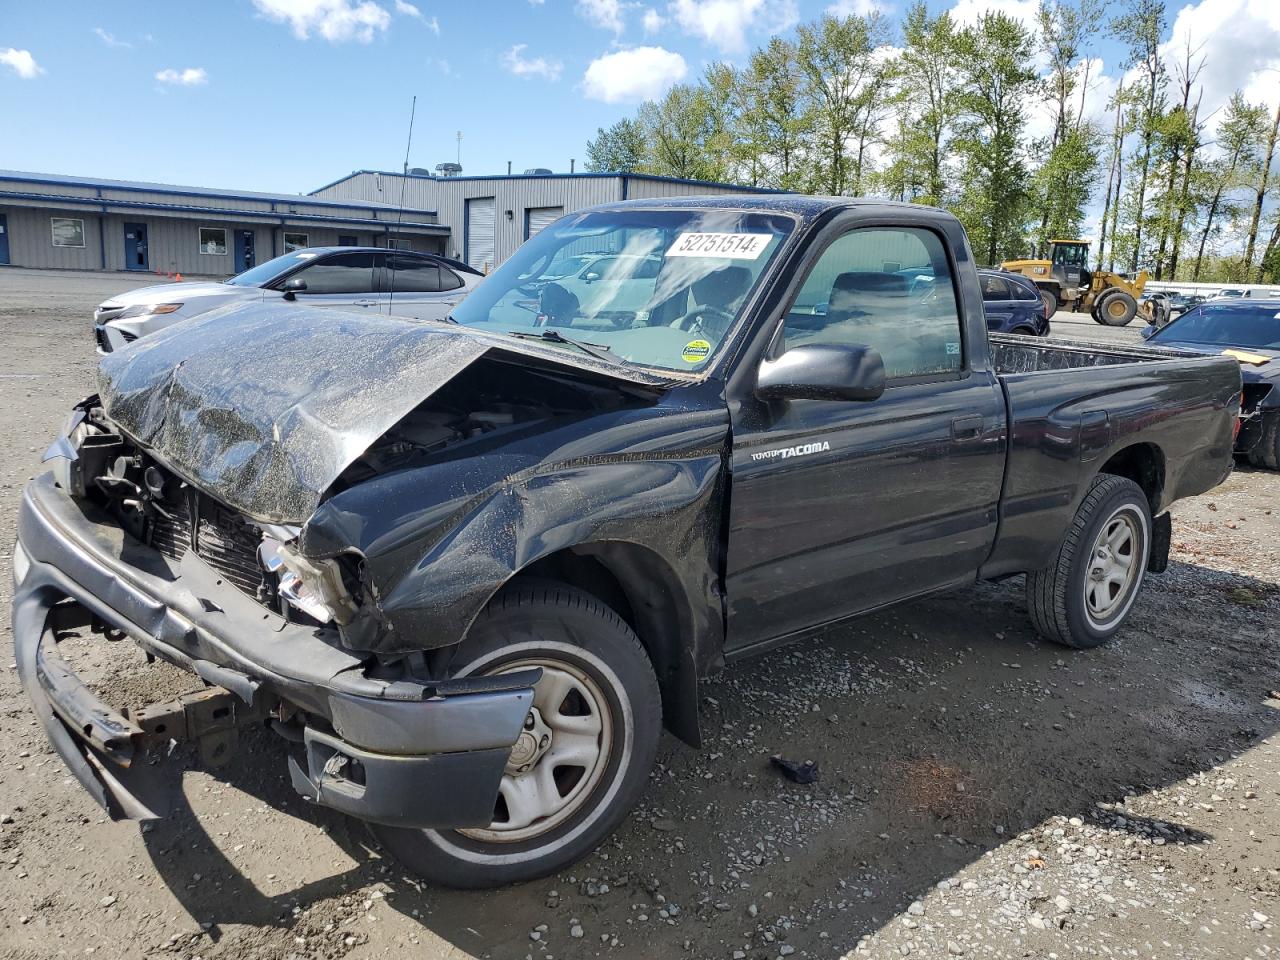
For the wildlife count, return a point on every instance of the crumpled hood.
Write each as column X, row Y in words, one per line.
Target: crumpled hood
column 264, row 405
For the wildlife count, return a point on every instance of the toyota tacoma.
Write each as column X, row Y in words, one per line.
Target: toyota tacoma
column 470, row 568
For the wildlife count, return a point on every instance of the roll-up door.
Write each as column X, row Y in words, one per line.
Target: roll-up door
column 480, row 246
column 538, row 217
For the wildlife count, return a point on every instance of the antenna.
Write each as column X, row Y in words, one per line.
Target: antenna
column 404, row 182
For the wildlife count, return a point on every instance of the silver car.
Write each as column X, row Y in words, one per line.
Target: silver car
column 413, row 285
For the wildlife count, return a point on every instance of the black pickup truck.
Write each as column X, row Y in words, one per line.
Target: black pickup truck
column 470, row 569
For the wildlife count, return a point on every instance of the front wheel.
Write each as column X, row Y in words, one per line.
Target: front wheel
column 1083, row 597
column 583, row 757
column 1117, row 309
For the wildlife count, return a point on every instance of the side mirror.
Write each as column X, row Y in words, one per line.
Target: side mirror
column 590, row 276
column 293, row 286
column 1149, row 331
column 822, row 371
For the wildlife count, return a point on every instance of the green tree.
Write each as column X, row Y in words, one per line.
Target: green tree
column 994, row 59
column 684, row 135
column 1239, row 138
column 772, row 90
column 1260, row 187
column 1141, row 26
column 926, row 104
column 1066, row 179
column 844, row 82
column 619, row 149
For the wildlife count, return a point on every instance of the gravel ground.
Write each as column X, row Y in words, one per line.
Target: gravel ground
column 982, row 793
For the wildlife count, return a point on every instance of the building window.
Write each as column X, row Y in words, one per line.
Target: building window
column 67, row 232
column 398, row 243
column 213, row 241
column 294, row 241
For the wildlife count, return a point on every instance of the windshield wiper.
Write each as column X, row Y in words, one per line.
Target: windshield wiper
column 597, row 350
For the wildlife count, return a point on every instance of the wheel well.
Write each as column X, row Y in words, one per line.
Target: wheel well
column 1143, row 463
column 643, row 590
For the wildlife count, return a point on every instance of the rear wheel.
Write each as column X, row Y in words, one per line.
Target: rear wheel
column 584, row 755
column 1050, row 301
column 1117, row 309
column 1083, row 597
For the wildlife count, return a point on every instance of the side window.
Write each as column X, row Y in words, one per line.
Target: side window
column 413, row 275
column 1021, row 292
column 858, row 293
column 345, row 273
column 993, row 288
column 449, row 280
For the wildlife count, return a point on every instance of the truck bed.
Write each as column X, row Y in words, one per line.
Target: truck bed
column 1011, row 354
column 1072, row 406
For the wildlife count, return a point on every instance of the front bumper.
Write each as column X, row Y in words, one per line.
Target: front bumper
column 396, row 752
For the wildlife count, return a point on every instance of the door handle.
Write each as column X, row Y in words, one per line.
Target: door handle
column 966, row 428
column 366, row 303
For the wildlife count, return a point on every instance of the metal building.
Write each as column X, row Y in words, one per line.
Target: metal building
column 81, row 223
column 489, row 217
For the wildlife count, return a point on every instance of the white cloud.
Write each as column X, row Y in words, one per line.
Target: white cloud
column 21, row 62
column 190, row 77
column 653, row 21
column 111, row 40
column 335, row 20
column 725, row 23
column 1239, row 41
column 409, row 10
column 642, row 73
column 520, row 65
column 856, row 8
column 606, row 14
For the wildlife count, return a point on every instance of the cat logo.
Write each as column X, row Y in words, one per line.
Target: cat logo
column 784, row 453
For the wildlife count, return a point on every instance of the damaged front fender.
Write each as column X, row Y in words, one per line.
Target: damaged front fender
column 439, row 542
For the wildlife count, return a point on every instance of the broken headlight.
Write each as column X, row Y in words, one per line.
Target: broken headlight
column 314, row 587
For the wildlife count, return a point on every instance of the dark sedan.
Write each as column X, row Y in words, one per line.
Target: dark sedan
column 1248, row 330
column 1012, row 304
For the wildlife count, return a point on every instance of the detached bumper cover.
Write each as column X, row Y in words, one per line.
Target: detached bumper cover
column 388, row 751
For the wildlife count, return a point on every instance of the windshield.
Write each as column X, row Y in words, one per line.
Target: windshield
column 658, row 288
column 264, row 273
column 1237, row 324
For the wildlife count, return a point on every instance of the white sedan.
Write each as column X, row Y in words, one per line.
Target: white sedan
column 399, row 282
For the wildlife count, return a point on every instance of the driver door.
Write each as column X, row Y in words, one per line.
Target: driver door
column 345, row 280
column 841, row 506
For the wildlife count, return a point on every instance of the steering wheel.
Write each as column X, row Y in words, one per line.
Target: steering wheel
column 707, row 318
column 558, row 305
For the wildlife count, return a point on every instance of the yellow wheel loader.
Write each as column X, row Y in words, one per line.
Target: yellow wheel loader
column 1065, row 280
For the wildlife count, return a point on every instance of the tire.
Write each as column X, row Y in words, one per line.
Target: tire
column 1266, row 452
column 1067, row 604
column 1117, row 309
column 571, row 635
column 1050, row 301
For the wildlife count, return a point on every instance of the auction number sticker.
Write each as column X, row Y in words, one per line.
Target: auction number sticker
column 695, row 351
column 723, row 246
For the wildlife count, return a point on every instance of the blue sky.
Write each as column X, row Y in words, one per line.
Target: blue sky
column 286, row 95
